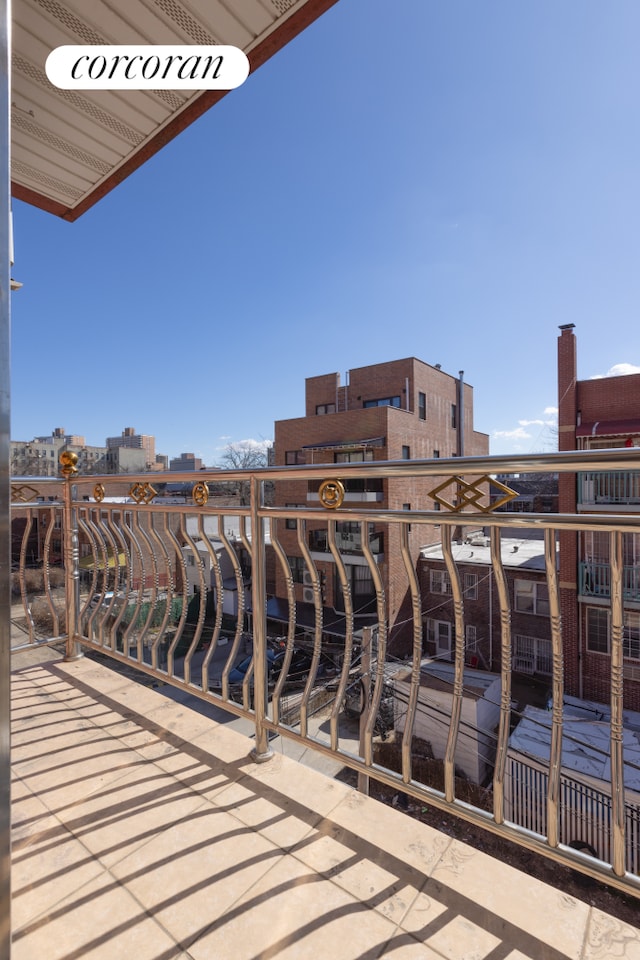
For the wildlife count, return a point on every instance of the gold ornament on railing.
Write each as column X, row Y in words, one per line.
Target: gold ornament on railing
column 68, row 461
column 200, row 493
column 23, row 493
column 331, row 494
column 142, row 492
column 470, row 494
column 98, row 492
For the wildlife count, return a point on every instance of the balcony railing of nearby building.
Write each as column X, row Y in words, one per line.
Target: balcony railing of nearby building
column 617, row 488
column 595, row 581
column 185, row 592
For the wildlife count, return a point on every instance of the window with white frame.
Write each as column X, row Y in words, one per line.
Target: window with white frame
column 470, row 586
column 440, row 633
column 532, row 597
column 599, row 632
column 440, row 582
column 471, row 637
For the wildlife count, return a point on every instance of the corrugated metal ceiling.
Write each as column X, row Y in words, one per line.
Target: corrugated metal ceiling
column 70, row 147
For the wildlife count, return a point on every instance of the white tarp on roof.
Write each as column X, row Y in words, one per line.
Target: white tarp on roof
column 585, row 745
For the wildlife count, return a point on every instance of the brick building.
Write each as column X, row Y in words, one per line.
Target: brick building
column 597, row 414
column 524, row 569
column 400, row 410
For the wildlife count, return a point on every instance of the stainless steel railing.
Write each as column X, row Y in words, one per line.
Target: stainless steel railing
column 254, row 606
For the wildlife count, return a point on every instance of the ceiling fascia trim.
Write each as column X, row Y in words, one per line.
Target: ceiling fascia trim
column 285, row 31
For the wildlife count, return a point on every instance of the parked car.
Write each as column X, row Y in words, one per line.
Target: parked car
column 296, row 675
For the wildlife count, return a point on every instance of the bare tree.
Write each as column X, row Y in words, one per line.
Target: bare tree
column 245, row 455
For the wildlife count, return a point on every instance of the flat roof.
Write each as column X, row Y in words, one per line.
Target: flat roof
column 526, row 554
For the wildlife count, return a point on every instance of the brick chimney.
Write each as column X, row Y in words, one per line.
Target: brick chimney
column 567, row 394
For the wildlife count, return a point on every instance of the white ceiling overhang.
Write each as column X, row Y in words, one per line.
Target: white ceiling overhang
column 71, row 147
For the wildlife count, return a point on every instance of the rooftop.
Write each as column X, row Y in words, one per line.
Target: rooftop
column 142, row 828
column 515, row 552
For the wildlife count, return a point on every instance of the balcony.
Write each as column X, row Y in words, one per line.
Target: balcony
column 163, row 810
column 142, row 829
column 595, row 581
column 615, row 490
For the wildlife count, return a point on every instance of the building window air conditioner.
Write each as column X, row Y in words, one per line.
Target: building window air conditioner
column 307, row 595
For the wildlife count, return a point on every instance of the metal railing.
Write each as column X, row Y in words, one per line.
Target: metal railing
column 614, row 488
column 595, row 580
column 227, row 602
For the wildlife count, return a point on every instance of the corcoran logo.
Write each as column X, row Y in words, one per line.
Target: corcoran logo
column 134, row 67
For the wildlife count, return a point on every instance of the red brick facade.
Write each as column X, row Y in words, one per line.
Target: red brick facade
column 417, row 418
column 592, row 413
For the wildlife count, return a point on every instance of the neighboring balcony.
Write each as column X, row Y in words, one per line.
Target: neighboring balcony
column 368, row 490
column 595, row 581
column 617, row 490
column 347, row 542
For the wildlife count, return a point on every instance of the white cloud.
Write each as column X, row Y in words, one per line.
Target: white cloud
column 518, row 434
column 617, row 370
column 536, row 433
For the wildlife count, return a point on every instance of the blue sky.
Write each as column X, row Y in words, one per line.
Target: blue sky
column 449, row 180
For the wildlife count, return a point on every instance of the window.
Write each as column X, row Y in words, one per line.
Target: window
column 454, row 416
column 363, row 591
column 354, row 456
column 290, row 523
column 471, row 638
column 532, row 655
column 323, row 408
column 470, row 586
column 298, row 568
column 440, row 633
column 293, row 457
column 599, row 629
column 406, row 452
column 440, row 582
column 422, row 406
column 532, row 597
column 436, row 505
column 436, row 454
column 383, row 402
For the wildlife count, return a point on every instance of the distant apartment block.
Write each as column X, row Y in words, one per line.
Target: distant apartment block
column 599, row 413
column 399, row 410
column 185, row 462
column 137, row 441
column 129, row 453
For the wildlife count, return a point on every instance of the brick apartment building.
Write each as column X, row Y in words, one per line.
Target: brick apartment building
column 596, row 414
column 524, row 569
column 399, row 410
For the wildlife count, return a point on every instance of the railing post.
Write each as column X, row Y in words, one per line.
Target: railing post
column 262, row 750
column 365, row 689
column 73, row 651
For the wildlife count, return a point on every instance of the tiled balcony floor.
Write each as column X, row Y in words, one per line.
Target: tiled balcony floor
column 143, row 830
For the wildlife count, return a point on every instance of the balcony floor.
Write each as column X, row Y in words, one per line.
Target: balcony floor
column 142, row 829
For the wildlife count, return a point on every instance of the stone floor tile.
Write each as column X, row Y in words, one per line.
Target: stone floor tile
column 102, row 921
column 51, row 867
column 192, row 874
column 497, row 896
column 128, row 812
column 609, row 938
column 292, row 913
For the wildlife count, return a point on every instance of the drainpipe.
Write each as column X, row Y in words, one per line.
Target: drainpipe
column 461, row 414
